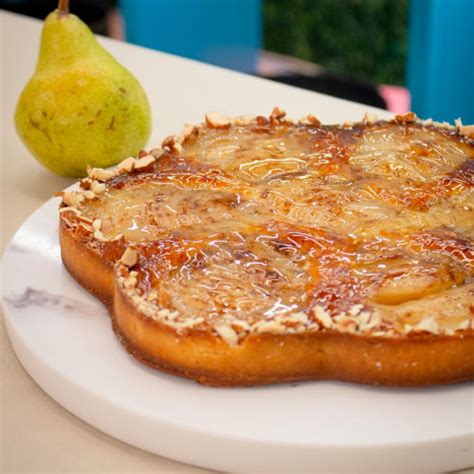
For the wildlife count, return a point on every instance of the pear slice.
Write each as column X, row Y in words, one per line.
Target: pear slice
column 418, row 279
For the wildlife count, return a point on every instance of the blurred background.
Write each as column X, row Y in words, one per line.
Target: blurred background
column 398, row 55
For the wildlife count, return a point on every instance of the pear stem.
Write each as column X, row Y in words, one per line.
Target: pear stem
column 63, row 7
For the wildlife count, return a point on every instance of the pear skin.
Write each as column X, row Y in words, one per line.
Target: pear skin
column 81, row 107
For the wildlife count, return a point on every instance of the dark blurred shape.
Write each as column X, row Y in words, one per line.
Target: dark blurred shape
column 362, row 39
column 91, row 12
column 336, row 86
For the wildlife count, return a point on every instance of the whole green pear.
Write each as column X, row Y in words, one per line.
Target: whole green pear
column 81, row 107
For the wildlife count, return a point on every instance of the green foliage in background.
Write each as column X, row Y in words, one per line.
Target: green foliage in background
column 363, row 39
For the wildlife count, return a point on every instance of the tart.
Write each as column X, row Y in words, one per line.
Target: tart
column 259, row 250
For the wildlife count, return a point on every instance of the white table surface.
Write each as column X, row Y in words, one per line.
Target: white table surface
column 37, row 434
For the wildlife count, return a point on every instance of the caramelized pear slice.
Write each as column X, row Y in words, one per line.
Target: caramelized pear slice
column 417, row 279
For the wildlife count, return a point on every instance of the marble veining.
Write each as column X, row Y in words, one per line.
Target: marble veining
column 44, row 299
column 15, row 248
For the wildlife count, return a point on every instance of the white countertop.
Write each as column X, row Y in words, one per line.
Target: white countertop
column 37, row 434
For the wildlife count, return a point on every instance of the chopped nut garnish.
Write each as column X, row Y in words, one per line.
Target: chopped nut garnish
column 370, row 117
column 277, row 114
column 310, row 120
column 187, row 132
column 189, row 323
column 299, row 316
column 173, row 315
column 463, row 325
column 346, row 324
column 73, row 199
column 467, row 130
column 375, row 320
column 216, row 120
column 156, row 152
column 410, row 117
column 129, row 257
column 323, row 317
column 86, row 183
column 97, row 188
column 428, row 325
column 274, row 327
column 88, row 194
column 244, row 119
column 241, row 325
column 100, row 174
column 363, row 318
column 226, row 333
column 126, row 165
column 130, row 282
column 70, row 208
column 163, row 313
column 313, row 120
column 152, row 296
column 356, row 309
column 170, row 143
column 144, row 162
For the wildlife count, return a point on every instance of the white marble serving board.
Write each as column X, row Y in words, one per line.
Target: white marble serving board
column 63, row 338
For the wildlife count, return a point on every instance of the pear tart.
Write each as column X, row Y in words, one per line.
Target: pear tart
column 260, row 250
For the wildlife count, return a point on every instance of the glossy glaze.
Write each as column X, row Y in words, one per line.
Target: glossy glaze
column 256, row 221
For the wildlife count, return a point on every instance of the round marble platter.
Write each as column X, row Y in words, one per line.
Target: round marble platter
column 63, row 338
